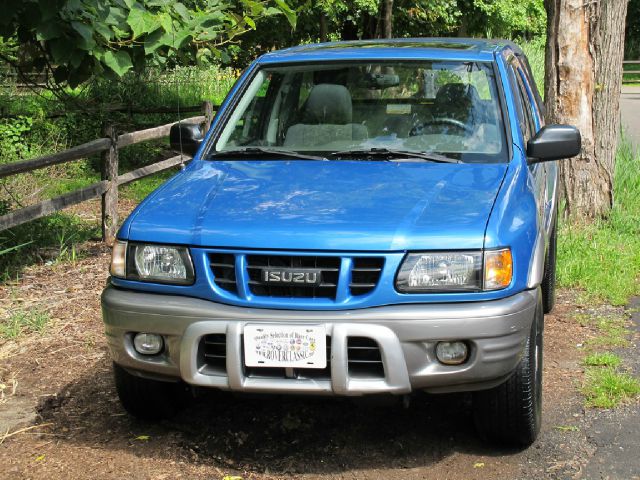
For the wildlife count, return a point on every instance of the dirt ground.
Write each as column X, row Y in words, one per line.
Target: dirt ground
column 59, row 388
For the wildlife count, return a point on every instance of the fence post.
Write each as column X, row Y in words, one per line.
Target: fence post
column 110, row 196
column 207, row 110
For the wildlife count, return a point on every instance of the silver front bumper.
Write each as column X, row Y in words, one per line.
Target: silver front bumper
column 406, row 336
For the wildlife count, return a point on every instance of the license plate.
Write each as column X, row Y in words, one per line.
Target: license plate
column 292, row 346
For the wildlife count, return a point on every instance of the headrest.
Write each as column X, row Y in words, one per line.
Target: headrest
column 328, row 104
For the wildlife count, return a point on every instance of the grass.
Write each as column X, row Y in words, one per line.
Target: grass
column 53, row 238
column 22, row 322
column 534, row 50
column 606, row 359
column 603, row 259
column 605, row 387
column 138, row 191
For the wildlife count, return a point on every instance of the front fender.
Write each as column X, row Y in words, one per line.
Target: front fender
column 514, row 223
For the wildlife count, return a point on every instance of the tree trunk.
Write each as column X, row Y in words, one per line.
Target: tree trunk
column 323, row 27
column 585, row 47
column 388, row 19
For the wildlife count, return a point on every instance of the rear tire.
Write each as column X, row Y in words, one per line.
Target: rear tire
column 149, row 399
column 548, row 283
column 511, row 413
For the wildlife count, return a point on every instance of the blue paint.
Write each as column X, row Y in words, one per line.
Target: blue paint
column 350, row 208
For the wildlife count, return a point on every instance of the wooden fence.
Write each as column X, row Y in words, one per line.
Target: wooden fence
column 630, row 72
column 108, row 147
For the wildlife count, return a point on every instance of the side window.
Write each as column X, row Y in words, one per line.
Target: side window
column 521, row 104
column 248, row 125
column 525, row 86
column 530, row 126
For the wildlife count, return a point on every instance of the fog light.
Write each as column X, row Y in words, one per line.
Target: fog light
column 452, row 353
column 148, row 343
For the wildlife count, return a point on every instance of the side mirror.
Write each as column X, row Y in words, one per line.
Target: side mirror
column 185, row 137
column 554, row 142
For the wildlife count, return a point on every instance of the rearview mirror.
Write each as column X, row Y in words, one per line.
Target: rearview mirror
column 554, row 142
column 185, row 138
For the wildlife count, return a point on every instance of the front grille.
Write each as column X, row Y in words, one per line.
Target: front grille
column 364, row 358
column 365, row 274
column 299, row 373
column 212, row 353
column 329, row 270
column 223, row 266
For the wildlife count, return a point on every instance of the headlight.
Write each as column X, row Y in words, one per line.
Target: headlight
column 152, row 263
column 440, row 271
column 455, row 271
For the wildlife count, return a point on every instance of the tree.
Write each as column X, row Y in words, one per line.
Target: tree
column 584, row 55
column 76, row 39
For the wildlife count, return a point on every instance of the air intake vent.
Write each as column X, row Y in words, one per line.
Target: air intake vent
column 328, row 269
column 212, row 353
column 223, row 266
column 364, row 358
column 365, row 275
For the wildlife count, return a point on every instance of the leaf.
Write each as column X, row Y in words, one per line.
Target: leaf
column 104, row 30
column 143, row 438
column 119, row 62
column 288, row 12
column 182, row 11
column 478, row 465
column 40, row 458
column 166, row 22
column 231, row 477
column 61, row 50
column 141, row 21
column 154, row 41
column 250, row 22
column 86, row 33
column 116, row 16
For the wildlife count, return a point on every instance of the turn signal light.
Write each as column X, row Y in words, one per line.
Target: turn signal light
column 498, row 269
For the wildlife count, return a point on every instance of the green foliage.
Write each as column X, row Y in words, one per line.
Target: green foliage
column 632, row 31
column 606, row 359
column 82, row 38
column 50, row 239
column 139, row 190
column 534, row 50
column 22, row 322
column 603, row 258
column 12, row 133
column 605, row 387
column 508, row 19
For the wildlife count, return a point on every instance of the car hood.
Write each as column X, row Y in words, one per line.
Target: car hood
column 332, row 205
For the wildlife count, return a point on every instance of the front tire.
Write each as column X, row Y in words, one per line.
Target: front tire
column 511, row 413
column 149, row 399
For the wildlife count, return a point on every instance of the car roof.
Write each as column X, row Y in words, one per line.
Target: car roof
column 467, row 49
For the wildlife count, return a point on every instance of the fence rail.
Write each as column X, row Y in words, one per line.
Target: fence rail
column 107, row 188
column 630, row 72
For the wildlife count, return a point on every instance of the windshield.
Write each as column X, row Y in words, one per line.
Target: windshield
column 449, row 108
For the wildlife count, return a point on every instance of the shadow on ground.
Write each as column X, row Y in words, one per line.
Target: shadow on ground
column 273, row 434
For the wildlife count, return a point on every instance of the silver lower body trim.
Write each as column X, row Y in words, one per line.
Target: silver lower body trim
column 406, row 335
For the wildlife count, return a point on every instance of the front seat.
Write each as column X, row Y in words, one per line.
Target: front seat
column 327, row 117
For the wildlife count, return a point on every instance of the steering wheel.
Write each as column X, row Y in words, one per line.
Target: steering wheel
column 419, row 129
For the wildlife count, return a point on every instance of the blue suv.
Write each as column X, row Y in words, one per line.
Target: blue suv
column 374, row 217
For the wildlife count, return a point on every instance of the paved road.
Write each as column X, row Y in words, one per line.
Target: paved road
column 630, row 109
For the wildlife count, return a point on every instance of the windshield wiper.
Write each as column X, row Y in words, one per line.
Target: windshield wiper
column 390, row 154
column 263, row 151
